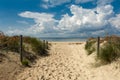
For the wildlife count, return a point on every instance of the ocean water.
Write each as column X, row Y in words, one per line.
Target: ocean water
column 59, row 39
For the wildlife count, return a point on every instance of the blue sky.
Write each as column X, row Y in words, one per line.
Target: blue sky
column 60, row 18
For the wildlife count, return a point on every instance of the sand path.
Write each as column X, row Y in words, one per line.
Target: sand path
column 68, row 62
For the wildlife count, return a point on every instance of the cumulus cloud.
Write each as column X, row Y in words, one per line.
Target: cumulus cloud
column 52, row 3
column 44, row 23
column 115, row 21
column 83, row 21
column 104, row 2
column 82, row 1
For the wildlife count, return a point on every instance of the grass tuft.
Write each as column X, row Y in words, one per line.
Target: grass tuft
column 25, row 63
column 110, row 51
column 37, row 46
column 89, row 47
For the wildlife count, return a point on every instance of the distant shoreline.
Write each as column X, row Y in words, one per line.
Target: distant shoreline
column 64, row 39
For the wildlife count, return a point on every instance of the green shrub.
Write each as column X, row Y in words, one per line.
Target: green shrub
column 10, row 43
column 13, row 46
column 37, row 45
column 29, row 56
column 89, row 47
column 25, row 63
column 108, row 53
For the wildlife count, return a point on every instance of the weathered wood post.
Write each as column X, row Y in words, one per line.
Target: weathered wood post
column 21, row 49
column 98, row 46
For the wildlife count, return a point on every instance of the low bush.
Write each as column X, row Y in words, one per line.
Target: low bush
column 25, row 63
column 10, row 43
column 32, row 47
column 109, row 52
column 37, row 46
column 89, row 47
column 13, row 44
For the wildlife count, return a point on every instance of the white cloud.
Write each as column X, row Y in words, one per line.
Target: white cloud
column 23, row 22
column 104, row 2
column 83, row 21
column 115, row 21
column 45, row 0
column 43, row 17
column 45, row 6
column 58, row 2
column 52, row 3
column 14, row 32
column 82, row 1
column 44, row 22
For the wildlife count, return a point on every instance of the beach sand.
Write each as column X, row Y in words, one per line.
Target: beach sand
column 69, row 61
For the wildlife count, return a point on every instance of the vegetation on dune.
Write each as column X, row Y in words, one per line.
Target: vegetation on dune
column 9, row 43
column 25, row 62
column 12, row 43
column 109, row 51
column 37, row 46
column 89, row 46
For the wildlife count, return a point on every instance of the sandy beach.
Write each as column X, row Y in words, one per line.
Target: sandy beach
column 69, row 61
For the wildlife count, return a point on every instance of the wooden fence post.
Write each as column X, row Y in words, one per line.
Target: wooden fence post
column 98, row 45
column 21, row 49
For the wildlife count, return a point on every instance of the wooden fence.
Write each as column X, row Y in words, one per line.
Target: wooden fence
column 45, row 46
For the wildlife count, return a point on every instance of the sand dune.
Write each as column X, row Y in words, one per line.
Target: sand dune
column 69, row 61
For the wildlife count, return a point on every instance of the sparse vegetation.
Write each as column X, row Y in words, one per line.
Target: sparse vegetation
column 25, row 63
column 13, row 44
column 37, row 45
column 89, row 46
column 9, row 43
column 109, row 51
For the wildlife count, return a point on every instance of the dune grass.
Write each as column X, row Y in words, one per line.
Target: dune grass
column 89, row 47
column 109, row 52
column 25, row 63
column 37, row 46
column 12, row 43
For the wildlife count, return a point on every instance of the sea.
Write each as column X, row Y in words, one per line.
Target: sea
column 61, row 39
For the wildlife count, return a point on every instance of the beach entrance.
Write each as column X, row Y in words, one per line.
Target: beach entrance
column 64, row 63
column 68, row 61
